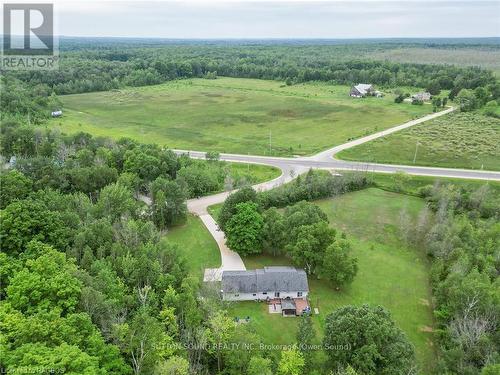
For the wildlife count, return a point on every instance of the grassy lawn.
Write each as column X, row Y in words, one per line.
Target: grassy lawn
column 214, row 210
column 253, row 173
column 457, row 140
column 234, row 115
column 390, row 273
column 197, row 244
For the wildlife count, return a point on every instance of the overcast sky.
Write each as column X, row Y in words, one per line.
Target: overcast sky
column 279, row 19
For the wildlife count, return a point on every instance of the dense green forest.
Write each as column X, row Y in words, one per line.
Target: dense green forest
column 86, row 284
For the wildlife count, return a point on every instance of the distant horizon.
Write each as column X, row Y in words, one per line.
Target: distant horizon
column 409, row 38
column 280, row 38
column 416, row 38
column 278, row 19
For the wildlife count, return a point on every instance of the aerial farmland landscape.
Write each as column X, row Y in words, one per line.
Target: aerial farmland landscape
column 305, row 118
column 250, row 188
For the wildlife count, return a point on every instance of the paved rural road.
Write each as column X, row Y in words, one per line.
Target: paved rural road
column 291, row 167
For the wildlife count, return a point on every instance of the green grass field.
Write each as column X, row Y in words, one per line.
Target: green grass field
column 390, row 273
column 234, row 115
column 196, row 243
column 252, row 173
column 457, row 140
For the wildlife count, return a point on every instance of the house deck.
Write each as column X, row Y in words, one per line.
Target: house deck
column 288, row 306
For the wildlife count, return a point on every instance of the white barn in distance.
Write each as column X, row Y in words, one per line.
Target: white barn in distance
column 264, row 284
column 423, row 96
column 361, row 90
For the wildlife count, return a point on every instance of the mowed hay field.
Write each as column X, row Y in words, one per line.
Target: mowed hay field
column 391, row 273
column 457, row 140
column 234, row 115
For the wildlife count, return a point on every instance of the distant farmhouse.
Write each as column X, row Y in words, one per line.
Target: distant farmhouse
column 361, row 90
column 422, row 96
column 284, row 288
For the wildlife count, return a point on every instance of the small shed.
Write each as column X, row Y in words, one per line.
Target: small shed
column 57, row 113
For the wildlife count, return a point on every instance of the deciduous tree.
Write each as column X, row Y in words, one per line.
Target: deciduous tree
column 339, row 266
column 259, row 366
column 367, row 339
column 291, row 363
column 308, row 245
column 246, row 194
column 13, row 186
column 244, row 229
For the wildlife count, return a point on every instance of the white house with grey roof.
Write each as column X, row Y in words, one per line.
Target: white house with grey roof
column 262, row 284
column 361, row 90
column 422, row 96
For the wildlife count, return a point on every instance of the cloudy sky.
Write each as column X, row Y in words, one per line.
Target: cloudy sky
column 279, row 19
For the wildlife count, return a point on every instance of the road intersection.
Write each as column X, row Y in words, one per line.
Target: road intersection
column 292, row 167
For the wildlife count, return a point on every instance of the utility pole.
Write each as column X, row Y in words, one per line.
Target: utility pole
column 415, row 156
column 270, row 141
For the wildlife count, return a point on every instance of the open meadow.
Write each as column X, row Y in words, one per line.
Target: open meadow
column 234, row 115
column 390, row 273
column 457, row 140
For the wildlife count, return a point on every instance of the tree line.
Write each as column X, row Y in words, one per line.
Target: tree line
column 459, row 232
column 82, row 163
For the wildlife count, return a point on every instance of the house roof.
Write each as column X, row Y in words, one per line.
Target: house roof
column 268, row 279
column 363, row 88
